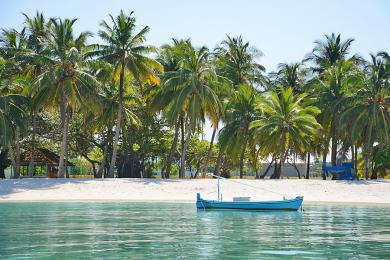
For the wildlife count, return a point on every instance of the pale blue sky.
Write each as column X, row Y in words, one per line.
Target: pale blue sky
column 283, row 30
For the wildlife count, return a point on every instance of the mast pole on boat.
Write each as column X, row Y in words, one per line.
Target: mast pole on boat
column 218, row 189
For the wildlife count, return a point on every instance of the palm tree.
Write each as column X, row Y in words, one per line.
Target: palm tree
column 287, row 124
column 189, row 92
column 33, row 60
column 222, row 87
column 290, row 75
column 66, row 82
column 170, row 58
column 126, row 51
column 335, row 82
column 223, row 91
column 368, row 115
column 240, row 111
column 110, row 103
column 238, row 60
column 13, row 42
column 12, row 112
column 330, row 56
column 329, row 52
column 12, row 115
column 103, row 119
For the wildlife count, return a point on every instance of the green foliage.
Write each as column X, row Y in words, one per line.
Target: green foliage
column 236, row 60
column 12, row 114
column 95, row 103
column 329, row 52
column 290, row 75
column 175, row 170
column 197, row 153
column 240, row 111
column 190, row 88
column 381, row 158
column 82, row 167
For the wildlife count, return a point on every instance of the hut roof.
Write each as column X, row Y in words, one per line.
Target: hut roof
column 42, row 157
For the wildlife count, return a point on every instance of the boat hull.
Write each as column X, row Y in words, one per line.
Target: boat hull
column 292, row 205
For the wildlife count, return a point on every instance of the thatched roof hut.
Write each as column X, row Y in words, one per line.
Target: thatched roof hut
column 43, row 157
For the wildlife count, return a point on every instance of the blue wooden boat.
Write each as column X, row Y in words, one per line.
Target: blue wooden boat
column 291, row 204
column 244, row 203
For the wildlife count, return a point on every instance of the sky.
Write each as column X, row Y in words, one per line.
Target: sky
column 284, row 31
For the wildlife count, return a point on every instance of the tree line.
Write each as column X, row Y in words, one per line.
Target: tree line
column 129, row 108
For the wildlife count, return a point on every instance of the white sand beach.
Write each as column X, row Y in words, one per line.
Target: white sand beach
column 185, row 190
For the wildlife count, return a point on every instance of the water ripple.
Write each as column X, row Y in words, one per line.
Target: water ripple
column 156, row 231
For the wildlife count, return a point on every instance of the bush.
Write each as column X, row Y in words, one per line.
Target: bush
column 81, row 167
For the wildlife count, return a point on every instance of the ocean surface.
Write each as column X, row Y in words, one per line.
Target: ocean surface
column 179, row 231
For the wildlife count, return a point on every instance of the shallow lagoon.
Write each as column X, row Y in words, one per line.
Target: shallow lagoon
column 173, row 230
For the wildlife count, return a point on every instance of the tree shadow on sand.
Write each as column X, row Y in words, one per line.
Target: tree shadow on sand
column 148, row 181
column 11, row 186
column 363, row 182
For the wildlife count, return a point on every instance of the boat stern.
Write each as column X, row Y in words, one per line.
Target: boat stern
column 299, row 201
column 199, row 201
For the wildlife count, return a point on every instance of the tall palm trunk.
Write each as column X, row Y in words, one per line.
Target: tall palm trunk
column 334, row 152
column 256, row 173
column 209, row 153
column 66, row 166
column 17, row 152
column 356, row 160
column 268, row 168
column 242, row 157
column 278, row 174
column 374, row 174
column 172, row 151
column 295, row 166
column 219, row 162
column 102, row 165
column 3, row 156
column 31, row 166
column 99, row 173
column 275, row 169
column 324, row 163
column 183, row 154
column 308, row 167
column 118, row 123
column 334, row 146
column 296, row 169
column 367, row 160
column 64, row 143
column 254, row 164
column 13, row 162
column 279, row 168
column 353, row 157
column 182, row 132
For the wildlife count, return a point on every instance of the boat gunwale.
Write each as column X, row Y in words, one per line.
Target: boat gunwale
column 249, row 209
column 252, row 202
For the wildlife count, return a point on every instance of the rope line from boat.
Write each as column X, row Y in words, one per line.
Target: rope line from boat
column 254, row 187
column 204, row 208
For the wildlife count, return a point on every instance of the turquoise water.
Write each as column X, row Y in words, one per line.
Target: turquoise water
column 179, row 231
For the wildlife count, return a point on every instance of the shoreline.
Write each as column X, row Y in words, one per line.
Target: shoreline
column 311, row 203
column 376, row 192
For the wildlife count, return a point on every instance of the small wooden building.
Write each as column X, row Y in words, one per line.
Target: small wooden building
column 46, row 163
